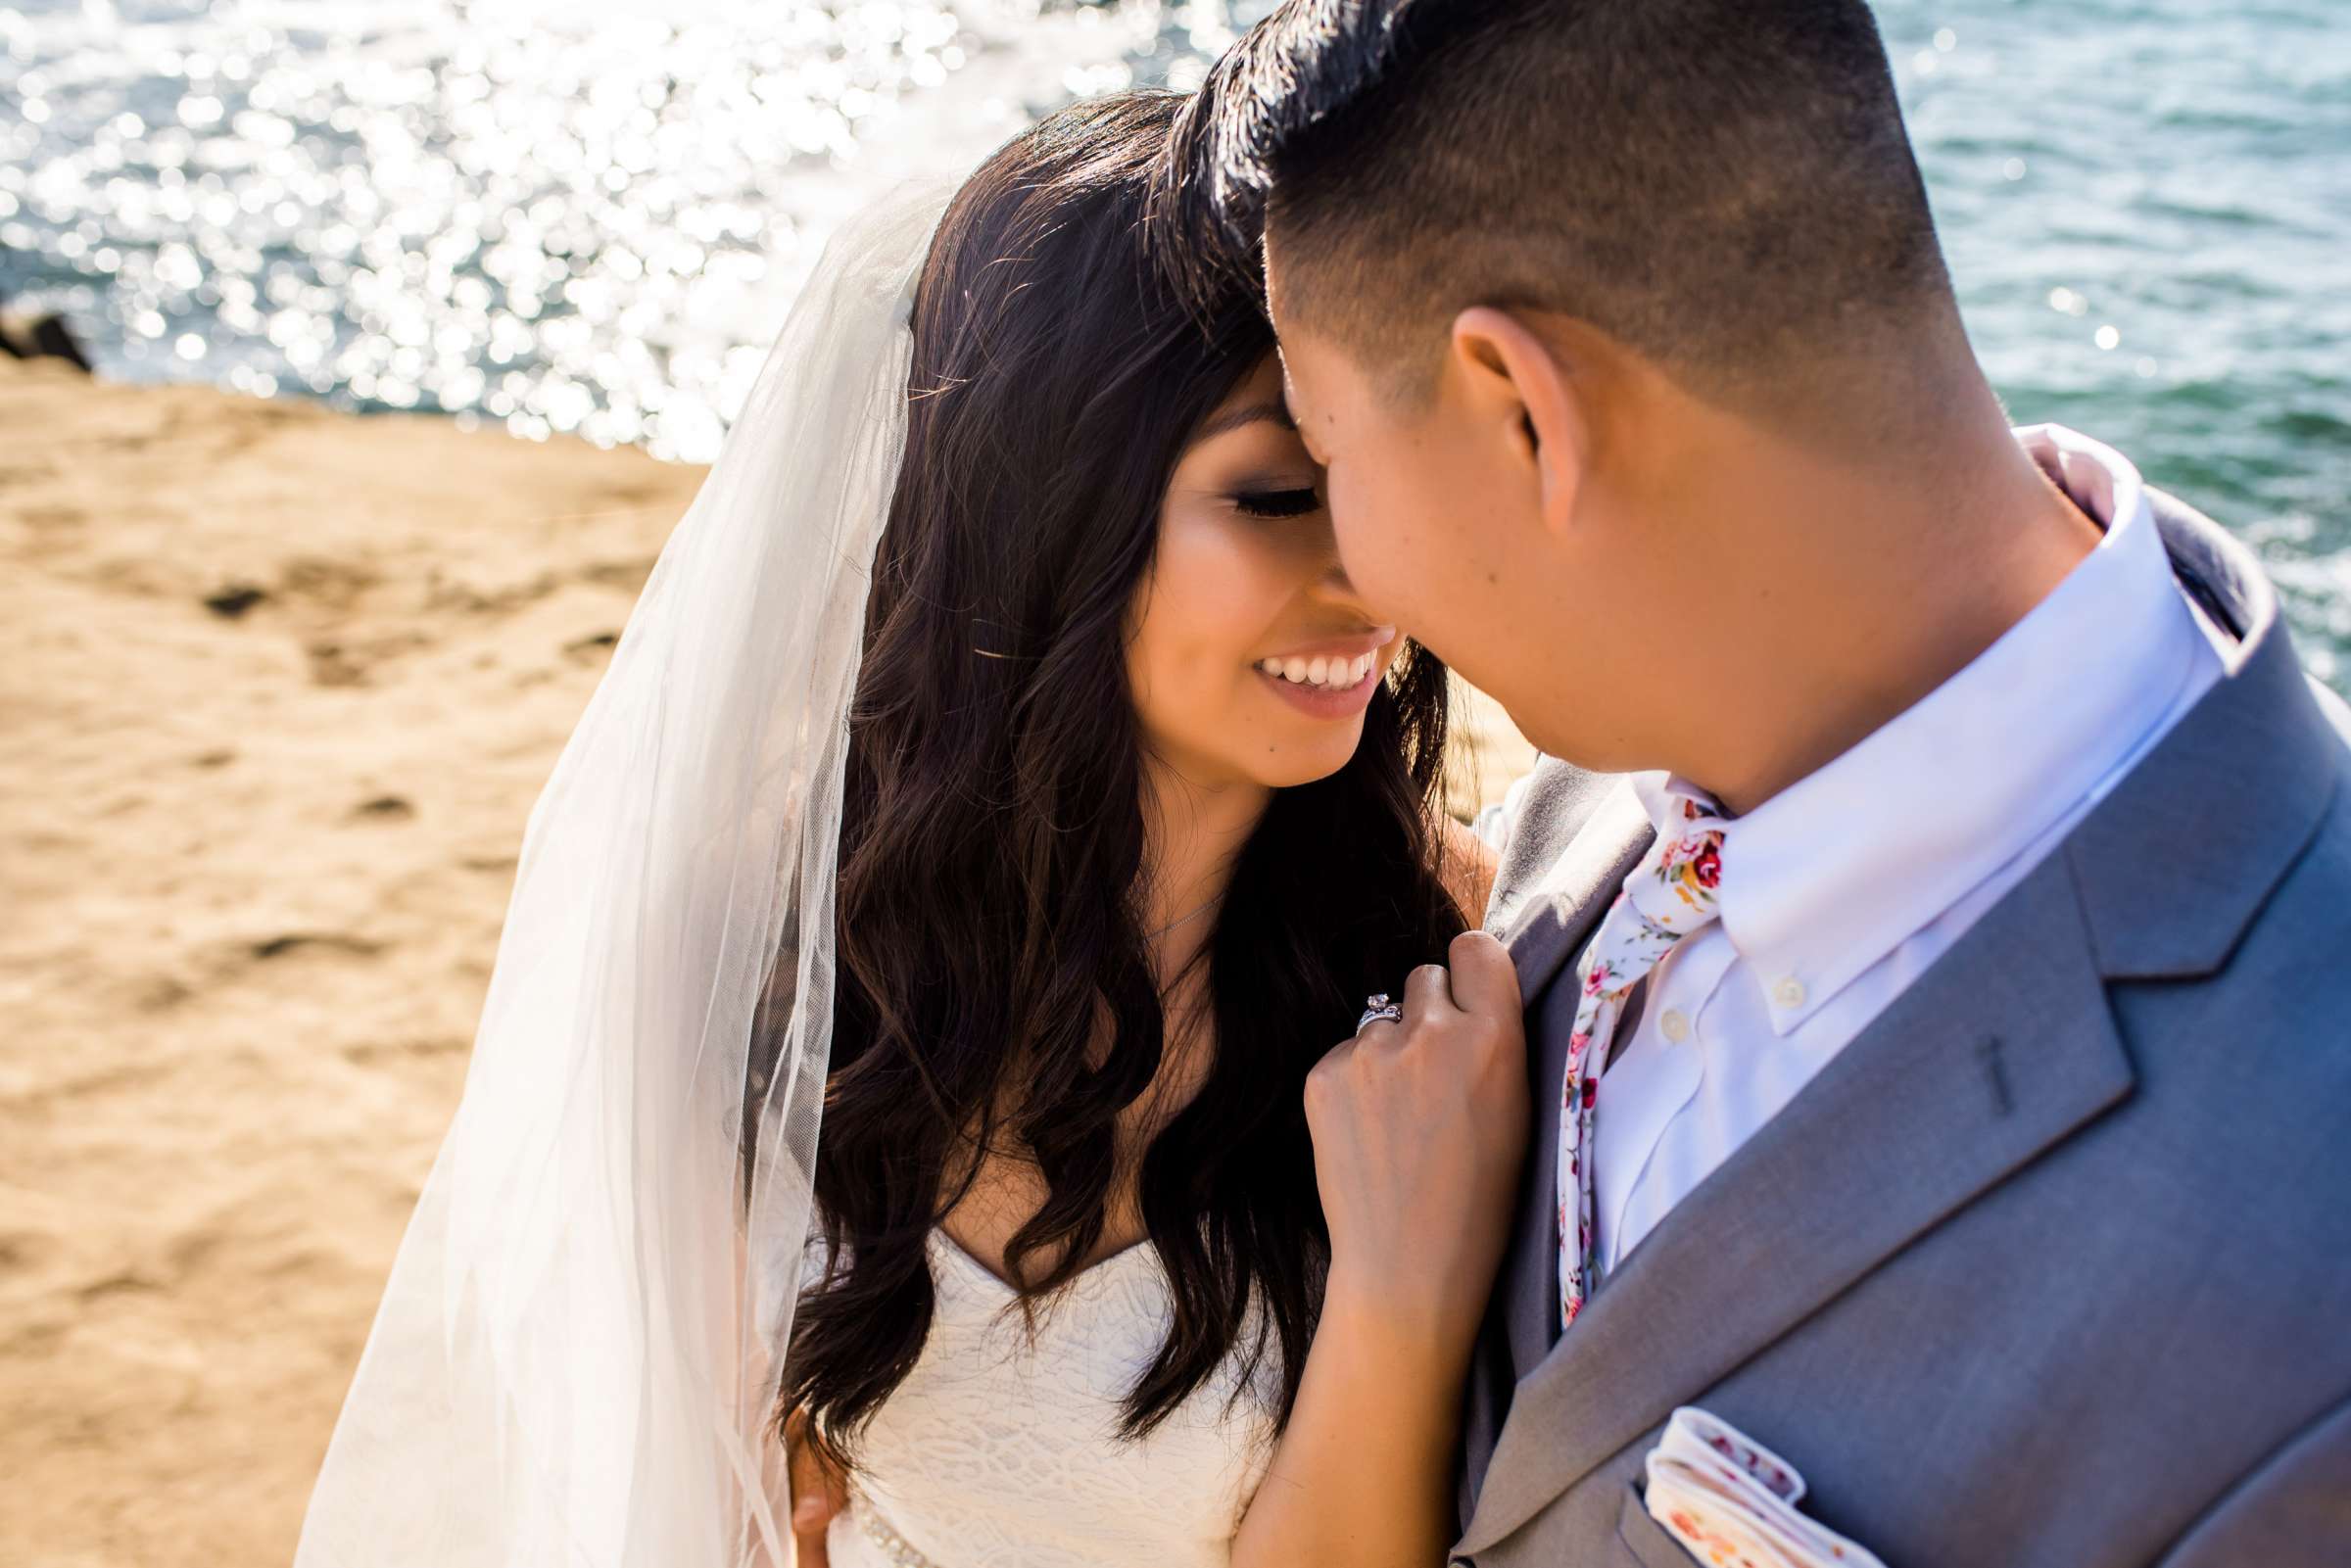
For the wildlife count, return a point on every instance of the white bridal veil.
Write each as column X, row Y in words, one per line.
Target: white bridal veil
column 576, row 1355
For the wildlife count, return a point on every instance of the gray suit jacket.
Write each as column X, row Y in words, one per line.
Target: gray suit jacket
column 2051, row 1265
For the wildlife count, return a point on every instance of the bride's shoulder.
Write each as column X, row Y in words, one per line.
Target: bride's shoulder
column 1466, row 865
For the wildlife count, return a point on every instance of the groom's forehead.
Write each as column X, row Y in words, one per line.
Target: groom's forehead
column 1310, row 359
column 1311, row 363
column 1279, row 284
column 1290, row 354
column 1318, row 390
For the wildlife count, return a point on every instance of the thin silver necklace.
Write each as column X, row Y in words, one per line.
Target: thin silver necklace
column 1153, row 936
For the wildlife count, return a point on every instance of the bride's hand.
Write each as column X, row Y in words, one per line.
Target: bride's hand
column 1420, row 1127
column 818, row 1493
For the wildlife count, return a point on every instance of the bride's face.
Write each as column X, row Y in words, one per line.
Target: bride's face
column 1251, row 656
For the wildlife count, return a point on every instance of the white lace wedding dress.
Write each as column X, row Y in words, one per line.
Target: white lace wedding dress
column 1000, row 1451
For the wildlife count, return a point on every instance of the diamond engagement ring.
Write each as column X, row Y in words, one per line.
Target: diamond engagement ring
column 1378, row 1007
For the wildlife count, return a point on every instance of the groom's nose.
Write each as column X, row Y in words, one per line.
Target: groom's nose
column 1322, row 541
column 1336, row 587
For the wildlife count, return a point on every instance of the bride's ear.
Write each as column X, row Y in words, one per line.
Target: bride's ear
column 1515, row 377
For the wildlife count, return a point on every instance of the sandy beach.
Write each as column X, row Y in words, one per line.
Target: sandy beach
column 283, row 684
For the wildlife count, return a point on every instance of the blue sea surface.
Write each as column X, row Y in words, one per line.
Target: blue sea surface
column 590, row 216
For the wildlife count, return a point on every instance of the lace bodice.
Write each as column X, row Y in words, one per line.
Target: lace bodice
column 999, row 1451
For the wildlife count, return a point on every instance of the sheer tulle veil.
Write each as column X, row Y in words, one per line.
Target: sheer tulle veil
column 575, row 1358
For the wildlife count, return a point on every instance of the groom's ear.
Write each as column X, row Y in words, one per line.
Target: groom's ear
column 1513, row 376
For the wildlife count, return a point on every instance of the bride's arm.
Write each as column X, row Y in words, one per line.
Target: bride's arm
column 1420, row 1127
column 1364, row 1476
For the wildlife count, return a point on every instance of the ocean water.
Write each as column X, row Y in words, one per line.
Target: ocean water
column 590, row 216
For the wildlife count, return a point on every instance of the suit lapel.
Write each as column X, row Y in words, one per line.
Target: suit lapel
column 1547, row 899
column 1556, row 916
column 1543, row 925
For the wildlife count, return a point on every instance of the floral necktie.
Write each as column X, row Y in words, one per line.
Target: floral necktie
column 1668, row 896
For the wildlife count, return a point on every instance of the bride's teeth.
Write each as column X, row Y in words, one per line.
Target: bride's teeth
column 1331, row 674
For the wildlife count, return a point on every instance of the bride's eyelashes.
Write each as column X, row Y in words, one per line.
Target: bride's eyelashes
column 1277, row 502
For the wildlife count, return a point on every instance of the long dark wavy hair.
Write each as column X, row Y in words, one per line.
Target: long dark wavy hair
column 996, row 988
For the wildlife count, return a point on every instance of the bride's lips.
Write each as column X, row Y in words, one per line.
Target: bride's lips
column 1329, row 698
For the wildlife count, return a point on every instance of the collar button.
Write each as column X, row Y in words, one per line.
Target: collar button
column 1789, row 994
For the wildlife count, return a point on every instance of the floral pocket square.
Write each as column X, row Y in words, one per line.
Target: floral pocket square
column 1732, row 1501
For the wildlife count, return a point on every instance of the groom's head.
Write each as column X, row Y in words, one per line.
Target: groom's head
column 1547, row 274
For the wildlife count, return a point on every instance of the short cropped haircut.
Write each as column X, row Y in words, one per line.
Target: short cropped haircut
column 1724, row 185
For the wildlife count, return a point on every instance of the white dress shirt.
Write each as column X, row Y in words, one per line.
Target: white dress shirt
column 1842, row 889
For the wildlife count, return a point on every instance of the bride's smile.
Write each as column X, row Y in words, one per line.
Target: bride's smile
column 1322, row 686
column 1252, row 656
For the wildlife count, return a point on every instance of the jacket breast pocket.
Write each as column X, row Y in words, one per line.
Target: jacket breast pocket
column 1640, row 1540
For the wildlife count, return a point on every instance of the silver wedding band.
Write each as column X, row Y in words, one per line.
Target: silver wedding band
column 1378, row 1007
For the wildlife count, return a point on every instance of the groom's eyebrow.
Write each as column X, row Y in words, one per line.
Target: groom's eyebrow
column 1247, row 413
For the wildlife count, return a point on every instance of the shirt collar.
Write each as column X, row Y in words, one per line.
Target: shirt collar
column 1826, row 878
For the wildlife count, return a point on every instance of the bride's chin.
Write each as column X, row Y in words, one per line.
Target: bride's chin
column 1309, row 759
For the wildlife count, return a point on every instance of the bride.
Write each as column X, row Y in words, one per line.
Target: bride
column 1000, row 762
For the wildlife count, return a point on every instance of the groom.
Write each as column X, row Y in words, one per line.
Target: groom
column 1968, row 1120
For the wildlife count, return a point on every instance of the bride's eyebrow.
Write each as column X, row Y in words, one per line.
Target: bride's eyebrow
column 1248, row 413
